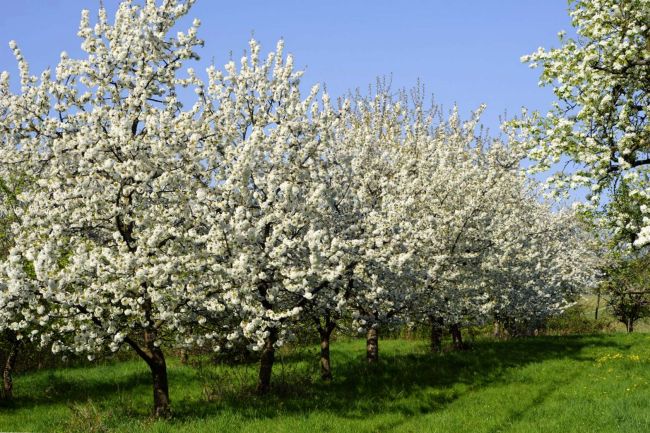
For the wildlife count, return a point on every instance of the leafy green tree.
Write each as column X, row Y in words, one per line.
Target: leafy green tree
column 628, row 290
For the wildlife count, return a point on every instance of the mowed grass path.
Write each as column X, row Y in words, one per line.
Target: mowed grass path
column 544, row 384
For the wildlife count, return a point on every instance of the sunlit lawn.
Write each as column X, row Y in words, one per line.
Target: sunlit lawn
column 544, row 384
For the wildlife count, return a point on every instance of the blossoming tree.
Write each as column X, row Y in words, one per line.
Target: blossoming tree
column 599, row 121
column 269, row 195
column 109, row 227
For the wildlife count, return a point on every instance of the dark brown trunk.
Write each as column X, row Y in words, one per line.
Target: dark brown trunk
column 372, row 345
column 630, row 326
column 456, row 336
column 266, row 362
column 7, row 372
column 436, row 334
column 325, row 365
column 155, row 359
column 161, row 407
column 597, row 305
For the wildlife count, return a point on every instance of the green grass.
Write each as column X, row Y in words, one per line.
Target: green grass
column 544, row 384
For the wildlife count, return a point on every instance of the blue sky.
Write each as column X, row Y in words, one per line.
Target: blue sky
column 464, row 52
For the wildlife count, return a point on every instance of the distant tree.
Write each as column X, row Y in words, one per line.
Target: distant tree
column 627, row 288
column 613, row 238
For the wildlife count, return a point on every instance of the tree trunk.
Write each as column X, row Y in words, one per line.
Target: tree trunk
column 372, row 345
column 597, row 306
column 161, row 407
column 325, row 365
column 155, row 359
column 436, row 334
column 184, row 357
column 497, row 330
column 7, row 373
column 266, row 362
column 629, row 326
column 456, row 336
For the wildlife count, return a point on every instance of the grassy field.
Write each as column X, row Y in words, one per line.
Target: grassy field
column 544, row 384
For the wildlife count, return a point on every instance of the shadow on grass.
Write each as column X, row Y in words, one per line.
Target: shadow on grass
column 427, row 382
column 60, row 386
column 407, row 380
